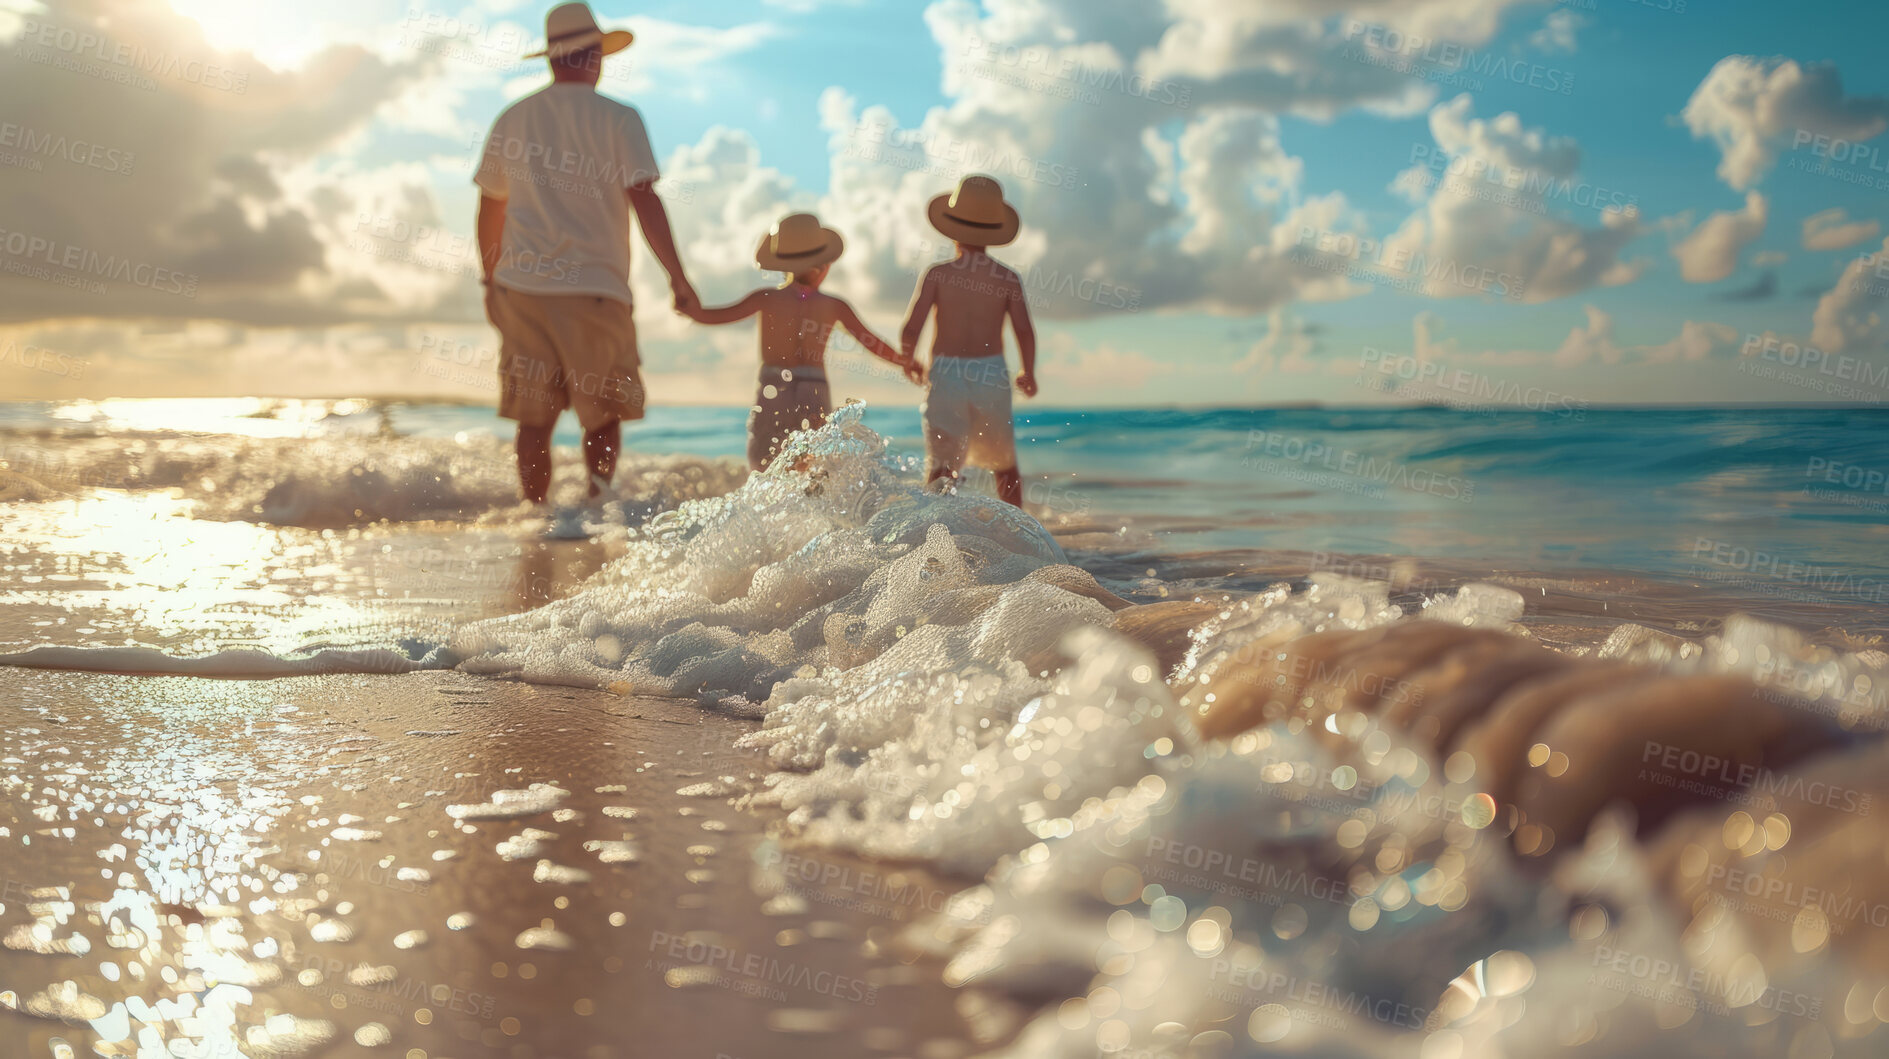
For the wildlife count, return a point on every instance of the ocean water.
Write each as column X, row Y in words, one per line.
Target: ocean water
column 947, row 681
column 1676, row 493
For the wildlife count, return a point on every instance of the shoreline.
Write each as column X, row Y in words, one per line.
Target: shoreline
column 814, row 945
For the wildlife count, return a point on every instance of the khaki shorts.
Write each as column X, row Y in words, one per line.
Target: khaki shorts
column 967, row 414
column 559, row 351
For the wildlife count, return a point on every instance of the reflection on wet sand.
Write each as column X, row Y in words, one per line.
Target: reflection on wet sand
column 269, row 868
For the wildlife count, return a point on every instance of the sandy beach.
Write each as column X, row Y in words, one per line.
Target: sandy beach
column 820, row 763
column 956, row 529
column 312, row 866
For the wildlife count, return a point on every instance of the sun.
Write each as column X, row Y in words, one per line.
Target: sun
column 278, row 32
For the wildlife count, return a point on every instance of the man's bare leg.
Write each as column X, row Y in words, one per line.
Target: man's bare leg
column 941, row 472
column 600, row 453
column 1010, row 486
column 534, row 462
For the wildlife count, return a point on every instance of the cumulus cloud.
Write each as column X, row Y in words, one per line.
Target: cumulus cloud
column 1285, row 348
column 1711, row 252
column 1489, row 223
column 678, row 56
column 1131, row 201
column 1832, row 229
column 1698, row 340
column 196, row 219
column 1849, row 316
column 1557, row 31
column 1593, row 341
column 1748, row 106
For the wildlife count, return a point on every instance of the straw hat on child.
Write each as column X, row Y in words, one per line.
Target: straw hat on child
column 798, row 243
column 975, row 213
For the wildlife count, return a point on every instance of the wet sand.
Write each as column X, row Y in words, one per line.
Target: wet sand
column 291, row 834
column 247, row 861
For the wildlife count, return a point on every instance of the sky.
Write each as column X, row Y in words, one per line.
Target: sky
column 1225, row 202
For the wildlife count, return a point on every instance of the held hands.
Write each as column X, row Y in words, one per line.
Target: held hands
column 685, row 300
column 1026, row 381
column 914, row 371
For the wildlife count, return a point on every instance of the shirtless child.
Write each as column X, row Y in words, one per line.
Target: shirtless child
column 967, row 407
column 795, row 322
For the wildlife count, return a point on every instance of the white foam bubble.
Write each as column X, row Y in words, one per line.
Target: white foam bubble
column 512, row 804
column 545, row 938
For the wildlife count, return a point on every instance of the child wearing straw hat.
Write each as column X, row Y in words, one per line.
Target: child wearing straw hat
column 967, row 404
column 796, row 319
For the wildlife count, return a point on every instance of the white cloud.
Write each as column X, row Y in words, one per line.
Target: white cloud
column 209, row 196
column 677, row 57
column 1748, row 106
column 1557, row 31
column 1848, row 317
column 1697, row 341
column 1198, row 207
column 1591, row 342
column 1711, row 252
column 1490, row 213
column 1285, row 348
column 802, row 7
column 1832, row 229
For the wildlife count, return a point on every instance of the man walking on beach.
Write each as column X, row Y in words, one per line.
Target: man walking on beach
column 562, row 169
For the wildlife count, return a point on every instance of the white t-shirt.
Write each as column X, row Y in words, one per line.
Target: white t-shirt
column 561, row 158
